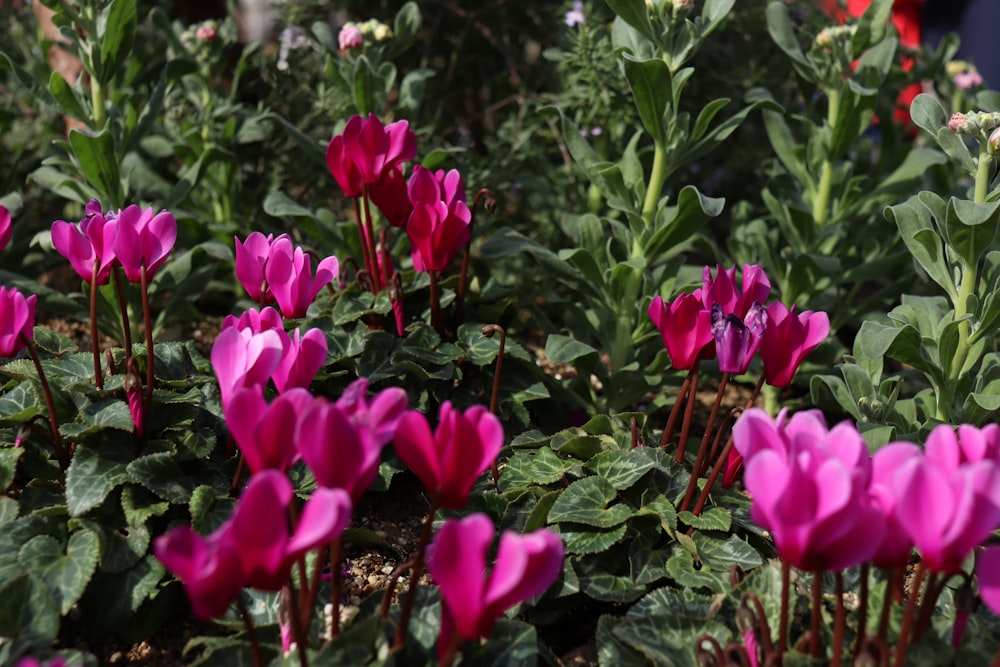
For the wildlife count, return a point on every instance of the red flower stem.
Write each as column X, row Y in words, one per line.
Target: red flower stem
column 301, row 640
column 293, row 520
column 675, row 411
column 911, row 611
column 786, row 578
column 238, row 474
column 736, row 413
column 435, row 303
column 839, row 620
column 94, row 341
column 147, row 322
column 934, row 588
column 258, row 661
column 688, row 413
column 887, row 599
column 713, row 451
column 368, row 259
column 61, row 453
column 703, row 447
column 449, row 653
column 370, row 238
column 815, row 646
column 309, row 601
column 488, row 331
column 123, row 306
column 336, row 554
column 862, row 609
column 416, row 570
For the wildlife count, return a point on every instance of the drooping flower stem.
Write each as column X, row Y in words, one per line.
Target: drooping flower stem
column 416, row 569
column 908, row 616
column 703, row 447
column 123, row 306
column 258, row 661
column 147, row 322
column 839, row 620
column 368, row 259
column 688, row 412
column 370, row 239
column 675, row 411
column 95, row 343
column 61, row 453
column 488, row 331
column 815, row 646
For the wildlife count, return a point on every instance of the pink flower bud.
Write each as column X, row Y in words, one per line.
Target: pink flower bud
column 350, row 37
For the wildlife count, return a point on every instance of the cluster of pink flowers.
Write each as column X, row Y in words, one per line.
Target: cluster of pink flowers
column 274, row 270
column 830, row 505
column 721, row 319
column 133, row 238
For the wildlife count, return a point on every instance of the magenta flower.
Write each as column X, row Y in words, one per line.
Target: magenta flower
column 91, row 241
column 259, row 527
column 57, row 661
column 790, row 339
column 257, row 321
column 736, row 340
column 948, row 506
column 685, row 326
column 304, row 355
column 440, row 222
column 242, row 358
column 391, row 197
column 143, row 240
column 251, row 260
column 290, row 278
column 133, row 392
column 375, row 148
column 262, row 431
column 723, row 291
column 809, row 487
column 209, row 568
column 17, row 320
column 380, row 415
column 472, row 601
column 896, row 546
column 988, row 575
column 6, row 228
column 342, row 167
column 450, row 460
column 341, row 453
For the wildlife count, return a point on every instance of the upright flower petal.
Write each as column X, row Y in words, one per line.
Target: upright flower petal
column 789, row 340
column 6, row 228
column 341, row 453
column 304, row 356
column 263, row 431
column 144, row 240
column 17, row 321
column 685, row 327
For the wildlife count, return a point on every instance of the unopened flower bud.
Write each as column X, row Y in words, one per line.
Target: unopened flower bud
column 958, row 122
column 968, row 80
column 993, row 144
column 956, row 67
column 207, row 33
column 350, row 37
column 22, row 434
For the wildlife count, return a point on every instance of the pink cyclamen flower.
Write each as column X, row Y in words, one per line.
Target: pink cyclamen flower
column 257, row 321
column 380, row 414
column 809, row 487
column 350, row 37
column 133, row 392
column 57, row 661
column 251, row 260
column 290, row 278
column 472, row 601
column 391, row 197
column 988, row 576
column 948, row 506
column 17, row 320
column 209, row 568
column 376, row 148
column 341, row 453
column 242, row 358
column 263, row 431
column 304, row 355
column 968, row 80
column 440, row 222
column 685, row 326
column 92, row 240
column 790, row 339
column 450, row 460
column 144, row 240
column 737, row 340
column 722, row 289
column 896, row 546
column 6, row 228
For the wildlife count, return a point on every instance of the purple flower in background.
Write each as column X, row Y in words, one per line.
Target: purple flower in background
column 576, row 16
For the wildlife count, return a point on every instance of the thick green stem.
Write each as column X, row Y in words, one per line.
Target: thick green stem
column 821, row 203
column 656, row 178
column 97, row 98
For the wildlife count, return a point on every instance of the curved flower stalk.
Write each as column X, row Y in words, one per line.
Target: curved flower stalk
column 525, row 566
column 290, row 278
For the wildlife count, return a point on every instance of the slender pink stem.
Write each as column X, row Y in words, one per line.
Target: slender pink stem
column 688, row 413
column 675, row 411
column 370, row 237
column 903, row 643
column 815, row 645
column 147, row 320
column 786, row 580
column 368, row 259
column 61, row 453
column 703, row 447
column 95, row 342
column 415, row 571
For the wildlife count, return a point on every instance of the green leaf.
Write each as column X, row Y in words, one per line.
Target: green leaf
column 542, row 466
column 586, row 501
column 589, row 540
column 668, row 639
column 779, row 25
column 721, row 554
column 614, row 651
column 682, row 569
column 116, row 29
column 561, row 349
column 405, row 29
column 20, row 403
column 139, row 505
column 93, row 473
column 512, row 643
column 29, row 614
column 875, row 340
column 162, row 475
column 671, row 601
column 66, row 96
column 922, row 240
column 95, row 153
column 65, row 573
column 651, row 88
column 715, row 518
column 280, row 205
column 676, row 225
column 634, row 13
column 8, row 465
column 971, row 227
column 621, row 468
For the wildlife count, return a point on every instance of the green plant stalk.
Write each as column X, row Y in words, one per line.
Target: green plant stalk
column 624, row 324
column 97, row 99
column 657, row 176
column 821, row 203
column 965, row 290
